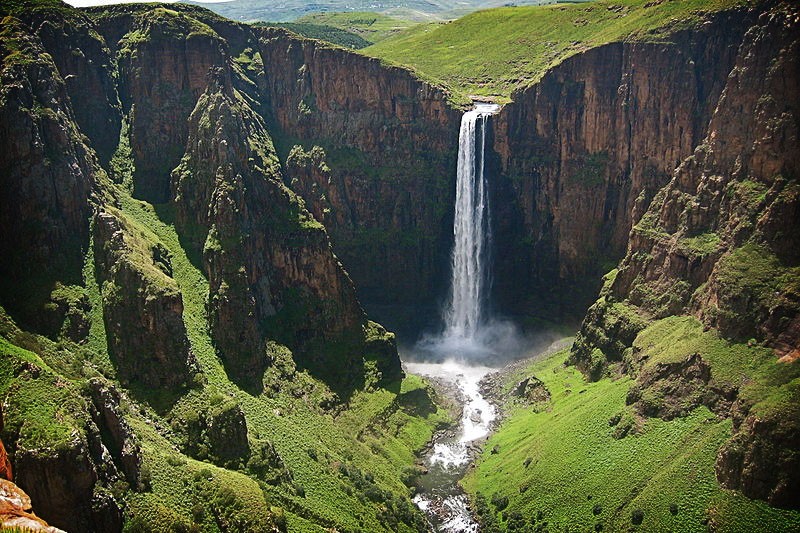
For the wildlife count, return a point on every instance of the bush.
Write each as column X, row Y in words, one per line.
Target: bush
column 597, row 509
column 637, row 517
column 499, row 502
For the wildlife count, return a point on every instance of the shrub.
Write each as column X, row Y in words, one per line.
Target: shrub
column 499, row 502
column 673, row 509
column 637, row 517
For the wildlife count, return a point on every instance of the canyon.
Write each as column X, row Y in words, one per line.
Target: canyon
column 201, row 218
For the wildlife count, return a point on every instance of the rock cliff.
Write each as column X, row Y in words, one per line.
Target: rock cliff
column 46, row 178
column 583, row 151
column 142, row 306
column 382, row 174
column 715, row 243
column 270, row 266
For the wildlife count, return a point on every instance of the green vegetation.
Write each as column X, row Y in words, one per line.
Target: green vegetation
column 762, row 381
column 754, row 275
column 494, row 52
column 379, row 430
column 322, row 32
column 700, row 245
column 371, row 27
column 309, row 462
column 659, row 472
column 52, row 408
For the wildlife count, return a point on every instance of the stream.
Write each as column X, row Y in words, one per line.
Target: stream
column 440, row 496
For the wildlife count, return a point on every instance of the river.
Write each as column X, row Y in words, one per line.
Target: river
column 440, row 496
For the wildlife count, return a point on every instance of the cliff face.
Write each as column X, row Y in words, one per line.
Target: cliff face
column 46, row 177
column 178, row 51
column 146, row 91
column 584, row 150
column 382, row 175
column 269, row 264
column 85, row 63
column 717, row 242
column 142, row 306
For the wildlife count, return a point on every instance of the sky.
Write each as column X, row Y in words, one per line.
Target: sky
column 87, row 3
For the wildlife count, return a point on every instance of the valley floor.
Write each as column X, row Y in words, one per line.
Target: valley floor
column 583, row 460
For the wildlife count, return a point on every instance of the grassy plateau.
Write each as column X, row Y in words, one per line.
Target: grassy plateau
column 495, row 51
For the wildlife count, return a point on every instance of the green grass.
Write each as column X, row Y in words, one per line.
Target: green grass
column 664, row 463
column 496, row 51
column 763, row 382
column 376, row 432
column 756, row 273
column 700, row 245
column 42, row 408
column 322, row 32
column 372, row 27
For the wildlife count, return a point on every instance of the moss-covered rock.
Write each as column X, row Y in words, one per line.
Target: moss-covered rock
column 142, row 306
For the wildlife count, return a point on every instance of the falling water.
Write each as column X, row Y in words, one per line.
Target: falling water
column 465, row 341
column 470, row 262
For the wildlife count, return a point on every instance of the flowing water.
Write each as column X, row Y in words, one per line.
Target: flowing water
column 469, row 340
column 447, row 461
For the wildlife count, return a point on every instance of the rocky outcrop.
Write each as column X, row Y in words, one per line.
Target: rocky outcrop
column 382, row 178
column 670, row 390
column 142, row 306
column 46, row 178
column 58, row 453
column 62, row 483
column 761, row 458
column 227, row 433
column 717, row 243
column 532, row 391
column 584, row 150
column 271, row 270
column 218, row 434
column 118, row 436
column 5, row 463
column 177, row 50
column 15, row 511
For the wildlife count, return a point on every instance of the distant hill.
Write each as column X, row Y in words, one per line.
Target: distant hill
column 372, row 27
column 350, row 29
column 292, row 10
column 322, row 32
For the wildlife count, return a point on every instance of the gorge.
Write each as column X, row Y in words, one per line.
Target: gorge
column 201, row 220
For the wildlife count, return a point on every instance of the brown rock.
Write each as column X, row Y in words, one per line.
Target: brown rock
column 389, row 144
column 15, row 508
column 584, row 150
column 142, row 306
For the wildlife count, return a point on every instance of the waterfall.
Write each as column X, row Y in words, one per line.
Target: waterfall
column 470, row 273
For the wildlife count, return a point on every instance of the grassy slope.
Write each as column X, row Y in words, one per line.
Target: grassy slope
column 372, row 27
column 322, row 32
column 495, row 51
column 666, row 463
column 294, row 425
